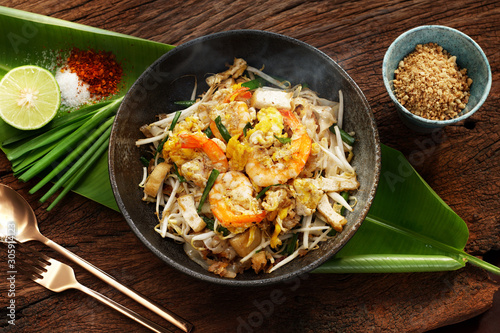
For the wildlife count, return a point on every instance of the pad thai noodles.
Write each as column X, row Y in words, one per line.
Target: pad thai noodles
column 252, row 174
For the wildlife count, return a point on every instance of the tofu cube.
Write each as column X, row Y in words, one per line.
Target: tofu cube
column 264, row 98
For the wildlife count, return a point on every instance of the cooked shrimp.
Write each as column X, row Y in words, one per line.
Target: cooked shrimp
column 209, row 147
column 294, row 156
column 232, row 201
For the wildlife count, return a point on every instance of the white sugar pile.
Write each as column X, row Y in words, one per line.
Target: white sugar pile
column 73, row 91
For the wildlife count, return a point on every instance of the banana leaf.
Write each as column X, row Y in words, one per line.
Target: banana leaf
column 29, row 38
column 408, row 228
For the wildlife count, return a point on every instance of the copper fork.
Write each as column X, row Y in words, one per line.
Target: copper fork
column 57, row 276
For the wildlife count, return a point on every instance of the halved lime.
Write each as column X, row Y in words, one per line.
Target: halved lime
column 29, row 97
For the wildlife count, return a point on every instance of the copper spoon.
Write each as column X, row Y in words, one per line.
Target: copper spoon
column 14, row 208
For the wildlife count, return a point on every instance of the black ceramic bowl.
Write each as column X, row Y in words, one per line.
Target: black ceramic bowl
column 171, row 79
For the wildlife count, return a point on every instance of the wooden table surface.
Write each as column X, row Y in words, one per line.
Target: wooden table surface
column 463, row 169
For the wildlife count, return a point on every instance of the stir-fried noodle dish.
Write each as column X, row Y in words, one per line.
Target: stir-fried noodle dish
column 251, row 174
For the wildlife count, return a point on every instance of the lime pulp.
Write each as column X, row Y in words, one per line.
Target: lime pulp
column 29, row 97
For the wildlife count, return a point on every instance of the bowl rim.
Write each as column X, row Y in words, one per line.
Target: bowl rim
column 410, row 114
column 264, row 279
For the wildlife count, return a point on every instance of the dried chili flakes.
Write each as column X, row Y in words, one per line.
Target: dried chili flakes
column 98, row 69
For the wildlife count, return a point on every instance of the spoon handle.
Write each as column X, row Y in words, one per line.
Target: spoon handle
column 168, row 315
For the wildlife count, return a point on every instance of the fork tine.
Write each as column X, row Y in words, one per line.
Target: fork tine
column 29, row 261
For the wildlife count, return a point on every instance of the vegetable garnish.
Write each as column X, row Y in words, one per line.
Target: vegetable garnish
column 264, row 190
column 210, row 182
column 283, row 140
column 63, row 146
column 211, row 223
column 222, row 129
column 174, row 122
column 171, row 128
column 56, row 124
column 162, row 143
column 292, row 244
column 176, row 171
column 253, row 84
column 45, row 139
column 144, row 161
column 74, row 153
column 346, row 137
column 208, row 132
column 96, row 146
column 247, row 127
column 81, row 171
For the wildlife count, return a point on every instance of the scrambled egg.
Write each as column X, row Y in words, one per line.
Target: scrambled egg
column 270, row 125
column 308, row 196
column 237, row 153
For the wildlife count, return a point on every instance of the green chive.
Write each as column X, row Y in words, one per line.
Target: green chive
column 44, row 139
column 160, row 146
column 264, row 190
column 65, row 145
column 81, row 162
column 210, row 225
column 174, row 122
column 144, row 161
column 56, row 123
column 19, row 166
column 81, row 172
column 292, row 244
column 210, row 182
column 344, row 135
column 283, row 140
column 246, row 128
column 208, row 132
column 254, row 84
column 171, row 128
column 74, row 154
column 222, row 129
column 176, row 171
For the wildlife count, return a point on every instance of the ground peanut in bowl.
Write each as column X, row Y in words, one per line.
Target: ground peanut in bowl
column 429, row 83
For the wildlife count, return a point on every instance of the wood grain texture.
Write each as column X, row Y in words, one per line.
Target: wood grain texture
column 461, row 163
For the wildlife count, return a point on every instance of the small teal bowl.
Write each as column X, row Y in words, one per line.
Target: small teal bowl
column 469, row 55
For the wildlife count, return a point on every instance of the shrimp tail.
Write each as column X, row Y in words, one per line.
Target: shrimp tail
column 209, row 147
column 223, row 213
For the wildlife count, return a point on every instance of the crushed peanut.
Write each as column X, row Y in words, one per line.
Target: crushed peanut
column 429, row 83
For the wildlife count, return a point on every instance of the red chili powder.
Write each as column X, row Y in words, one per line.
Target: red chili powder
column 99, row 69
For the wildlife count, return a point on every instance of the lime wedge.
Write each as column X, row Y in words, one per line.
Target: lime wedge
column 29, row 97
